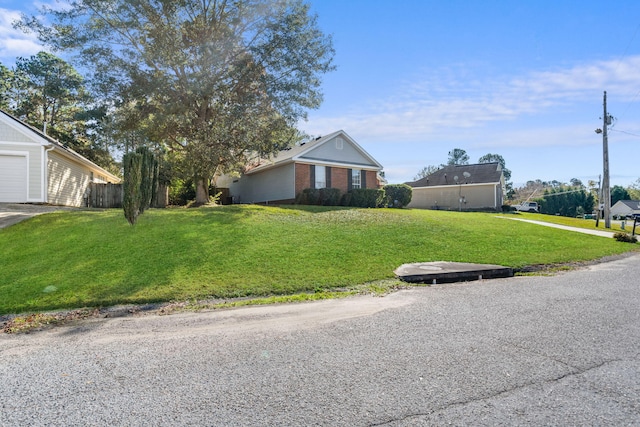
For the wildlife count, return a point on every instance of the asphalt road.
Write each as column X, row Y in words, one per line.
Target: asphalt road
column 559, row 350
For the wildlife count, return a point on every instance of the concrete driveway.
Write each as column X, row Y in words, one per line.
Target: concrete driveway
column 13, row 213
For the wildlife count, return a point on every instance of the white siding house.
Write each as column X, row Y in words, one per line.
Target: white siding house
column 624, row 208
column 35, row 168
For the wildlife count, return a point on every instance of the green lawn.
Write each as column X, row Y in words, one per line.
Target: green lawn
column 95, row 258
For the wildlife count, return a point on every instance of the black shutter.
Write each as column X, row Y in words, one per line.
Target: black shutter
column 328, row 176
column 313, row 175
column 349, row 180
column 363, row 179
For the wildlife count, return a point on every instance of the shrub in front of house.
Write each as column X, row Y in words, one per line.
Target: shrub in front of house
column 321, row 196
column 398, row 195
column 364, row 198
column 308, row 196
column 329, row 196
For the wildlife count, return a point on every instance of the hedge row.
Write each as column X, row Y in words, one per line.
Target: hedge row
column 393, row 196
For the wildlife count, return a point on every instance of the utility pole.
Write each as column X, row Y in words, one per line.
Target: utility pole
column 606, row 187
column 599, row 199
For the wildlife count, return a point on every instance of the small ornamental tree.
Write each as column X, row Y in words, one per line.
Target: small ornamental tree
column 149, row 177
column 132, row 197
column 140, row 182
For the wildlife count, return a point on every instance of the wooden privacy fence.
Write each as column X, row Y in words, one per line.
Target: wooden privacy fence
column 105, row 195
column 110, row 196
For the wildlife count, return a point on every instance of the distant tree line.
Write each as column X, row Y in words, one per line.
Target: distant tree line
column 573, row 198
column 566, row 201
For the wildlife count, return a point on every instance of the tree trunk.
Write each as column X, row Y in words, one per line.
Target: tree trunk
column 202, row 191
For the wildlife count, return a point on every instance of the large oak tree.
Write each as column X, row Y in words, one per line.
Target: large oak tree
column 215, row 81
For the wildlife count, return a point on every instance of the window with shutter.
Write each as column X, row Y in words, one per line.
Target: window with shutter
column 356, row 178
column 321, row 177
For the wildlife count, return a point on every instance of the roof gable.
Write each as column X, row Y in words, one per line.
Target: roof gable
column 15, row 130
column 631, row 204
column 481, row 173
column 31, row 134
column 337, row 149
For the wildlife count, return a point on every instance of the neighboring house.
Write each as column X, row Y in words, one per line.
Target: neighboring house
column 460, row 187
column 35, row 168
column 624, row 208
column 332, row 161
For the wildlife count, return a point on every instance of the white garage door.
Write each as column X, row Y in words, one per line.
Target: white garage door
column 13, row 179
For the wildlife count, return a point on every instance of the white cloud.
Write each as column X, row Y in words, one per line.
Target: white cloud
column 15, row 43
column 573, row 135
column 449, row 101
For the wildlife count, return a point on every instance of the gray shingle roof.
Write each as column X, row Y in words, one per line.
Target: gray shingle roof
column 632, row 204
column 481, row 173
column 290, row 153
column 293, row 153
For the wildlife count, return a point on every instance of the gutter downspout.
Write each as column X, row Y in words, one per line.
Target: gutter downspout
column 45, row 168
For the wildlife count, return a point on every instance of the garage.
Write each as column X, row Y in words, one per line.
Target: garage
column 35, row 168
column 13, row 178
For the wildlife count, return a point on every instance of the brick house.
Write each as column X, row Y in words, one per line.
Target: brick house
column 331, row 161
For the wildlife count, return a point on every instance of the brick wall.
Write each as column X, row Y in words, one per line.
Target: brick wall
column 372, row 181
column 339, row 178
column 303, row 177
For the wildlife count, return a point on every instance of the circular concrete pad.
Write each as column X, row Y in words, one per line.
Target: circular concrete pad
column 445, row 271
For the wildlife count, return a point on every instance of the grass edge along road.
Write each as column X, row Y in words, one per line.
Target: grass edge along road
column 93, row 258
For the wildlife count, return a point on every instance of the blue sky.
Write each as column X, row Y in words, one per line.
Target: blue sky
column 523, row 79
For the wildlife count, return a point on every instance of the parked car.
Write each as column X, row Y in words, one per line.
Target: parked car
column 528, row 207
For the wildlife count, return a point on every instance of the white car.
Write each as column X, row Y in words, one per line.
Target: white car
column 528, row 207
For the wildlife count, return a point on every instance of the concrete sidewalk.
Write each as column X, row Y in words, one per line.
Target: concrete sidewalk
column 565, row 227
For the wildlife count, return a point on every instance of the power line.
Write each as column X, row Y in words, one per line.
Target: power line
column 623, row 131
column 563, row 192
column 627, row 48
column 629, row 104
